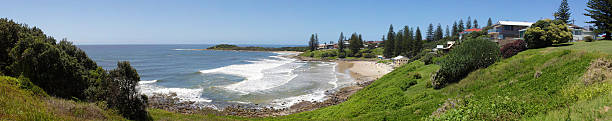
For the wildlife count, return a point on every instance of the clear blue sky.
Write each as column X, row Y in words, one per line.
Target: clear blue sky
column 259, row 21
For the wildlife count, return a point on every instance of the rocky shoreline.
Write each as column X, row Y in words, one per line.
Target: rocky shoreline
column 171, row 103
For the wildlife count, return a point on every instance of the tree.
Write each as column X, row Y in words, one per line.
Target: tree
column 399, row 42
column 460, row 27
column 447, row 32
column 455, row 29
column 475, row 23
column 489, row 22
column 389, row 43
column 546, row 32
column 563, row 13
column 430, row 33
column 418, row 36
column 123, row 94
column 438, row 35
column 468, row 23
column 418, row 42
column 354, row 44
column 341, row 43
column 601, row 13
column 314, row 42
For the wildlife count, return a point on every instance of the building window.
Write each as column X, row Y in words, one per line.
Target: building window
column 507, row 27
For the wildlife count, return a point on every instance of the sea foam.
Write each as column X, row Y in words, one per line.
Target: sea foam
column 260, row 75
column 184, row 94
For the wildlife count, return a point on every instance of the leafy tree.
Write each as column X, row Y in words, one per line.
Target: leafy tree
column 489, row 22
column 430, row 33
column 468, row 23
column 341, row 43
column 123, row 94
column 601, row 12
column 563, row 13
column 475, row 23
column 389, row 44
column 546, row 32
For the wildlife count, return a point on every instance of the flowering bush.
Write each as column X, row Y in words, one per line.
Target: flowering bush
column 513, row 48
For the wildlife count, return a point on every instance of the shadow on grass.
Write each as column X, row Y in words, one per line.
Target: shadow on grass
column 562, row 45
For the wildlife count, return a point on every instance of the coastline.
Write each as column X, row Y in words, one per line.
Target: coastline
column 363, row 73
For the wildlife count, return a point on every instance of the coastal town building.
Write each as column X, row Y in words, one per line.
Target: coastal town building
column 468, row 31
column 400, row 60
column 507, row 31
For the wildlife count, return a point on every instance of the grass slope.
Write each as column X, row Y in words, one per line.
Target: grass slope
column 17, row 103
column 507, row 90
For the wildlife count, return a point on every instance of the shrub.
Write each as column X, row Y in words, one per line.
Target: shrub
column 547, row 32
column 369, row 55
column 342, row 55
column 472, row 54
column 123, row 95
column 513, row 48
column 588, row 39
column 428, row 58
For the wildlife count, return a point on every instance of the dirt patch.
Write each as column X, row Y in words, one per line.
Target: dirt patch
column 600, row 70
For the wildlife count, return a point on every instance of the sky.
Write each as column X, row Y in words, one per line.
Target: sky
column 279, row 22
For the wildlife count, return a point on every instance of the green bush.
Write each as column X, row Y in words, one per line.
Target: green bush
column 588, row 39
column 546, row 32
column 342, row 55
column 472, row 54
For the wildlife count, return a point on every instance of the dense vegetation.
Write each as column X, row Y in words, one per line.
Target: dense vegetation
column 405, row 42
column 513, row 48
column 253, row 48
column 63, row 70
column 471, row 55
column 547, row 32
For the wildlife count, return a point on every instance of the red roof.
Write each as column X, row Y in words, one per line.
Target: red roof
column 474, row 29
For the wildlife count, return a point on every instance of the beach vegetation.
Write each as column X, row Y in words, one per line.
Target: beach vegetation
column 513, row 48
column 471, row 55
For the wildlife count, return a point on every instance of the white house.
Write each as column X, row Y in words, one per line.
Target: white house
column 399, row 60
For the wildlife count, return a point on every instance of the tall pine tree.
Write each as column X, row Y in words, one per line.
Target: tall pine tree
column 460, row 27
column 468, row 23
column 438, row 33
column 489, row 22
column 341, row 42
column 430, row 33
column 447, row 32
column 563, row 13
column 601, row 12
column 389, row 43
column 313, row 43
column 455, row 29
column 418, row 42
column 475, row 23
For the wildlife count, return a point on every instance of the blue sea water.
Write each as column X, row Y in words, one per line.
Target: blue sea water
column 220, row 78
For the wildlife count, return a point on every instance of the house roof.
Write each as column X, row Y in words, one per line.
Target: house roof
column 515, row 23
column 473, row 29
column 398, row 57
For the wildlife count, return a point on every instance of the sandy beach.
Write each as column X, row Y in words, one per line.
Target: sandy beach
column 364, row 70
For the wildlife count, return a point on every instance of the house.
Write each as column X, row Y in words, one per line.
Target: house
column 438, row 47
column 507, row 31
column 400, row 60
column 325, row 46
column 580, row 33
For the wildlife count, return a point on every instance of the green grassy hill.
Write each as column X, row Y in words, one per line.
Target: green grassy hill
column 507, row 90
column 23, row 102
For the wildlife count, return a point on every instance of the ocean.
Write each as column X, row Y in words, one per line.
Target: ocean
column 221, row 78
